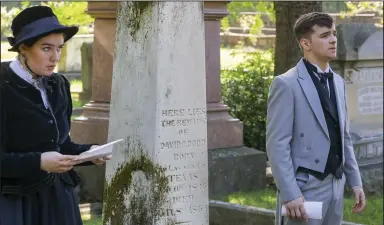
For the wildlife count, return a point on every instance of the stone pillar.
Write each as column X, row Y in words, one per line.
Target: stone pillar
column 232, row 166
column 223, row 130
column 159, row 107
column 92, row 125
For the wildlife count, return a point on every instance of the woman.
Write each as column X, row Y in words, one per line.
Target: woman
column 36, row 156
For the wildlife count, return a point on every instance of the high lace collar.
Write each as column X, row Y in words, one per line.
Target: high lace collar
column 20, row 70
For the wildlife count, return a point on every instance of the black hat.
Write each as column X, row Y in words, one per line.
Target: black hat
column 34, row 22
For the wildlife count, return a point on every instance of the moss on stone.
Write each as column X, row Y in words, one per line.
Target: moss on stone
column 137, row 10
column 143, row 208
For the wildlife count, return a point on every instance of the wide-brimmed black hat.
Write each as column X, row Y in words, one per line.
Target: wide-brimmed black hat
column 35, row 22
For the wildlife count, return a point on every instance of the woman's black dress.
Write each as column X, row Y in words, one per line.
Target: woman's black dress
column 28, row 195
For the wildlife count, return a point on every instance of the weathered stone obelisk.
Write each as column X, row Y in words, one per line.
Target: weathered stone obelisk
column 158, row 105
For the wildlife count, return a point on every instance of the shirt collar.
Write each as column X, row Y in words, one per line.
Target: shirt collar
column 18, row 68
column 327, row 70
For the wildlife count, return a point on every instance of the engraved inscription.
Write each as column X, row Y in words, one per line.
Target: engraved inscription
column 182, row 144
column 184, row 150
column 370, row 100
column 364, row 75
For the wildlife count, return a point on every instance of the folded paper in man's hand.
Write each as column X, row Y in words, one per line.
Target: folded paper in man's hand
column 97, row 152
column 314, row 210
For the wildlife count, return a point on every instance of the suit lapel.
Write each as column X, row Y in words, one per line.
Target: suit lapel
column 340, row 101
column 311, row 94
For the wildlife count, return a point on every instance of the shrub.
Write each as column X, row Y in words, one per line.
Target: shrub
column 245, row 91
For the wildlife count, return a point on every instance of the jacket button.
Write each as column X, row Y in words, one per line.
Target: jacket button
column 309, row 148
column 52, row 140
column 317, row 161
column 50, row 122
column 301, row 135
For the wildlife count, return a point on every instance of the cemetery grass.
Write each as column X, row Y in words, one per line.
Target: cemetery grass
column 372, row 214
column 91, row 220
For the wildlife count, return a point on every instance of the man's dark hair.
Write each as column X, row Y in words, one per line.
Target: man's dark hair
column 304, row 24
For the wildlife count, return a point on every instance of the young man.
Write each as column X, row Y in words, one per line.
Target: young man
column 308, row 141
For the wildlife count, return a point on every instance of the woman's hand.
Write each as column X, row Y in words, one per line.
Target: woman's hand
column 55, row 162
column 102, row 160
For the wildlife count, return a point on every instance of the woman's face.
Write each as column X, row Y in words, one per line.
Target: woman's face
column 43, row 56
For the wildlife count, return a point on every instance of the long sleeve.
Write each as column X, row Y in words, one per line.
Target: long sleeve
column 69, row 147
column 351, row 168
column 280, row 115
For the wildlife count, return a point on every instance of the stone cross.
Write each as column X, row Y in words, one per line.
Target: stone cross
column 159, row 175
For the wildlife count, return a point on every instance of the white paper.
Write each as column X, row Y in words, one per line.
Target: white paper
column 97, row 152
column 313, row 209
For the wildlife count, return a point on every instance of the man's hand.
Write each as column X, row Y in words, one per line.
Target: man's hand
column 55, row 162
column 360, row 200
column 295, row 209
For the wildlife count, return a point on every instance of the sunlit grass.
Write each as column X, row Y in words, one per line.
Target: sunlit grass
column 91, row 220
column 372, row 215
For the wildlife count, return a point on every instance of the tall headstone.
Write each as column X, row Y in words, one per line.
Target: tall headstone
column 360, row 62
column 158, row 105
column 86, row 71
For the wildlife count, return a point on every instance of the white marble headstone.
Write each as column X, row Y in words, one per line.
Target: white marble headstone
column 159, row 99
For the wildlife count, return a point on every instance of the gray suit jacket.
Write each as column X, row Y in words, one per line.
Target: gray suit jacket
column 297, row 133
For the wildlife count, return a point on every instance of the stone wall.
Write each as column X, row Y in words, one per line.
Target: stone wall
column 369, row 154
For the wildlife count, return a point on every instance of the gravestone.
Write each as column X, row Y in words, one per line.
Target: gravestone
column 360, row 62
column 159, row 175
column 70, row 60
column 86, row 71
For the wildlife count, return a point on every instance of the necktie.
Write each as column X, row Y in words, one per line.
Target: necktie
column 323, row 80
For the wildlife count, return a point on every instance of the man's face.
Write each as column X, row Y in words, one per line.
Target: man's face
column 323, row 42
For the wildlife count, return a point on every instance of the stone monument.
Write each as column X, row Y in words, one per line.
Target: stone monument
column 360, row 62
column 92, row 125
column 232, row 166
column 158, row 105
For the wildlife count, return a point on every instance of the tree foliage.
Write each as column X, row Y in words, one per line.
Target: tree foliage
column 68, row 13
column 71, row 13
column 252, row 21
column 245, row 91
column 362, row 7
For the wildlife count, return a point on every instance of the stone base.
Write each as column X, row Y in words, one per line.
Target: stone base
column 372, row 178
column 369, row 155
column 224, row 131
column 85, row 95
column 92, row 126
column 236, row 169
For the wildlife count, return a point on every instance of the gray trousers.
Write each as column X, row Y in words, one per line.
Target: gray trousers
column 329, row 191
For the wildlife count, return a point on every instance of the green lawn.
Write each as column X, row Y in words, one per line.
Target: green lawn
column 91, row 220
column 372, row 215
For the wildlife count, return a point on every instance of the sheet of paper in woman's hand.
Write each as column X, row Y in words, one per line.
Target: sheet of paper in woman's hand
column 314, row 210
column 97, row 152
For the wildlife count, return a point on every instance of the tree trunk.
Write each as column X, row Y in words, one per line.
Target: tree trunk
column 287, row 51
